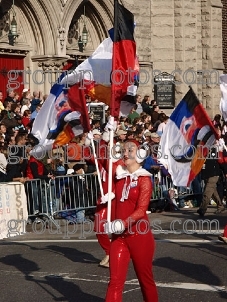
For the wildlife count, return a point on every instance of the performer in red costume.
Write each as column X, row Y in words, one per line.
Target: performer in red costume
column 132, row 237
column 101, row 209
column 101, row 214
column 100, row 219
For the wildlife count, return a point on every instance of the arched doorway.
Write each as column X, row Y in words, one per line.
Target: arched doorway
column 96, row 17
column 49, row 37
column 11, row 73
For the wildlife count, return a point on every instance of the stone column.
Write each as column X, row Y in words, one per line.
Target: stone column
column 51, row 71
column 212, row 53
column 187, row 45
column 199, row 50
column 162, row 36
column 142, row 13
column 46, row 71
column 224, row 33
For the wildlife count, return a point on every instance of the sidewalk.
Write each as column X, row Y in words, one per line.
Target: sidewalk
column 185, row 222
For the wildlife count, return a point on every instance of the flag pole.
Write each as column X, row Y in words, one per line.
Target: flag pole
column 96, row 165
column 110, row 172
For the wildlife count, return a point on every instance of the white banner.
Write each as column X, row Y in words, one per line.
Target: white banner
column 13, row 209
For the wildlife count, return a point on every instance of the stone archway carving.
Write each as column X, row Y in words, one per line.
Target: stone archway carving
column 41, row 22
column 63, row 2
column 99, row 18
column 35, row 24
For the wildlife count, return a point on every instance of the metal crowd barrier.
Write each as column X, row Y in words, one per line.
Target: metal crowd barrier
column 161, row 186
column 80, row 192
column 64, row 193
column 161, row 198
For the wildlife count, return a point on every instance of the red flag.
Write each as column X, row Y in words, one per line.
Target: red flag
column 76, row 97
column 124, row 55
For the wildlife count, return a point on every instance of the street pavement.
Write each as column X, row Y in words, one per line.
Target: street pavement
column 49, row 264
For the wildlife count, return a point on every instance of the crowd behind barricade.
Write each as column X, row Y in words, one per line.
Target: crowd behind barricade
column 145, row 124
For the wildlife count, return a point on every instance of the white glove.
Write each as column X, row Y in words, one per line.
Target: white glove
column 131, row 90
column 116, row 226
column 111, row 125
column 87, row 142
column 118, row 147
column 90, row 135
column 105, row 197
column 106, row 136
column 221, row 145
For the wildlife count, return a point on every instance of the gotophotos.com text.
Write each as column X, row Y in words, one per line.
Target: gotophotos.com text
column 142, row 226
column 15, row 152
column 17, row 78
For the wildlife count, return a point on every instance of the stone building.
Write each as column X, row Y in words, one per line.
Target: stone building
column 224, row 33
column 179, row 37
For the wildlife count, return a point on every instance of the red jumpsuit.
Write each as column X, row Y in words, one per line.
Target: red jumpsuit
column 133, row 195
column 101, row 210
column 101, row 216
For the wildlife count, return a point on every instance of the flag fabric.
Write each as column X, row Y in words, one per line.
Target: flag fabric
column 77, row 103
column 47, row 116
column 186, row 140
column 63, row 116
column 124, row 57
column 93, row 74
column 91, row 77
column 223, row 102
column 50, row 126
column 94, row 77
column 99, row 76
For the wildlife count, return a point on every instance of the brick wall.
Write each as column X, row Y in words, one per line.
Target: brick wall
column 224, row 33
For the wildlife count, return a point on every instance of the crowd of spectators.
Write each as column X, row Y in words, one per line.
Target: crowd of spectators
column 145, row 123
column 17, row 114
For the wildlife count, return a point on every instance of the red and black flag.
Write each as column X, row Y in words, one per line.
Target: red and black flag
column 124, row 57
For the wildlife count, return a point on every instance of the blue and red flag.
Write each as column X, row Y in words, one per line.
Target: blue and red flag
column 186, row 140
column 63, row 115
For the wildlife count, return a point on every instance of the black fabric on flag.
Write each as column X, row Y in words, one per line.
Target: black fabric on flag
column 123, row 23
column 191, row 99
column 124, row 56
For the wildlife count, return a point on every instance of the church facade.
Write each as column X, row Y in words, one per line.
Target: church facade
column 180, row 39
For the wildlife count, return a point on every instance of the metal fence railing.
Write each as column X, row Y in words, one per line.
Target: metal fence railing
column 161, row 186
column 64, row 193
column 80, row 192
column 164, row 192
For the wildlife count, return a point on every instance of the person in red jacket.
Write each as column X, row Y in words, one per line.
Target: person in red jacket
column 37, row 171
column 26, row 119
column 132, row 237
